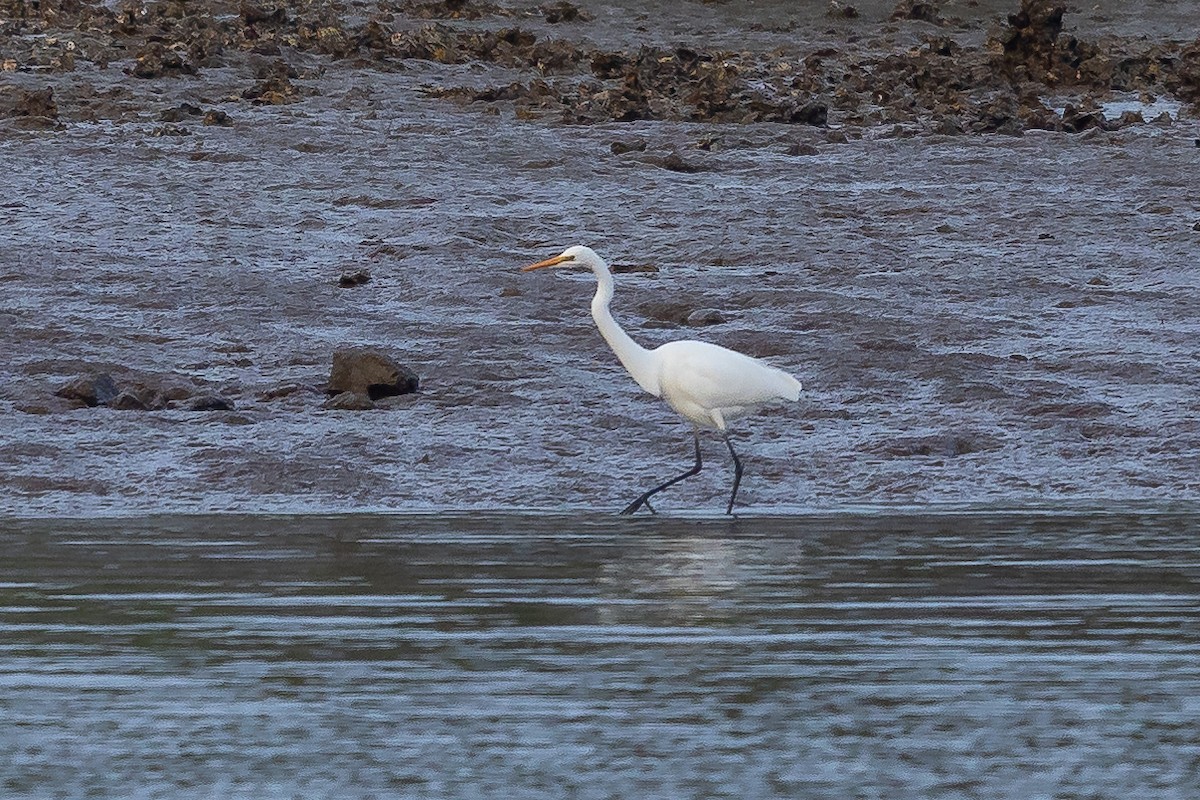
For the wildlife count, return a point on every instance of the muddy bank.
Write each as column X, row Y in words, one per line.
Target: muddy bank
column 976, row 316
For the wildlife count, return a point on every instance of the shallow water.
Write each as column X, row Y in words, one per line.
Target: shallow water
column 972, row 653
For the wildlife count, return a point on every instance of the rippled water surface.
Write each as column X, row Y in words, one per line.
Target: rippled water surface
column 953, row 655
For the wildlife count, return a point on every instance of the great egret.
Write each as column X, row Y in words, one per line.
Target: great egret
column 707, row 385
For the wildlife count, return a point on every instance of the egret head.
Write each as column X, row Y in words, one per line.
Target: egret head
column 577, row 256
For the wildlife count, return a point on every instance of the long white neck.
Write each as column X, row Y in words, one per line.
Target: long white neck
column 637, row 360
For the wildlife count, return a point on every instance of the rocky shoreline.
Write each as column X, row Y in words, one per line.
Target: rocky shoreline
column 930, row 82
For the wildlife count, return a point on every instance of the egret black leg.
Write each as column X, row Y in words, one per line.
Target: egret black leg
column 737, row 473
column 644, row 500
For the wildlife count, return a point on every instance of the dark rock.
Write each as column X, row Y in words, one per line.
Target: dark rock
column 1075, row 120
column 1128, row 118
column 563, row 11
column 368, row 371
column 702, row 317
column 257, row 13
column 32, row 408
column 1001, row 113
column 919, row 10
column 676, row 163
column 38, row 103
column 275, row 68
column 91, row 390
column 179, row 113
column 660, row 313
column 215, row 117
column 811, row 113
column 274, row 85
column 349, row 401
column 635, row 146
column 171, row 130
column 156, row 61
column 129, row 400
column 839, row 10
column 287, row 389
column 175, row 392
column 210, row 402
column 1032, row 47
column 802, row 149
column 1184, row 79
column 354, row 277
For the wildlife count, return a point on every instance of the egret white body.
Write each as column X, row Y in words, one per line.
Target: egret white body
column 704, row 383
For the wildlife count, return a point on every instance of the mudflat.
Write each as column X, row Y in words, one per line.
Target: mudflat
column 971, row 229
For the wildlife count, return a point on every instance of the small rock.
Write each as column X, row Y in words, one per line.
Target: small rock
column 368, row 371
column 354, row 277
column 510, row 291
column 215, row 117
column 274, row 90
column 661, row 313
column 37, row 104
column 802, row 149
column 1075, row 120
column 811, row 113
column 92, row 390
column 705, row 316
column 838, row 10
column 156, row 61
column 1196, row 227
column 175, row 392
column 179, row 113
column 32, row 408
column 563, row 11
column 618, row 269
column 257, row 13
column 128, row 400
column 210, row 402
column 349, row 401
column 676, row 163
column 944, row 228
column 170, row 130
column 286, row 389
column 917, row 10
column 620, row 148
column 1099, row 280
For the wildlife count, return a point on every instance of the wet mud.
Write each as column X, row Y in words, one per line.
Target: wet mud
column 970, row 228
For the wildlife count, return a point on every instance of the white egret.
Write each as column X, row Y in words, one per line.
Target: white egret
column 707, row 385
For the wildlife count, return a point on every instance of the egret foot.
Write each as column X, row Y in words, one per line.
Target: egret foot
column 644, row 500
